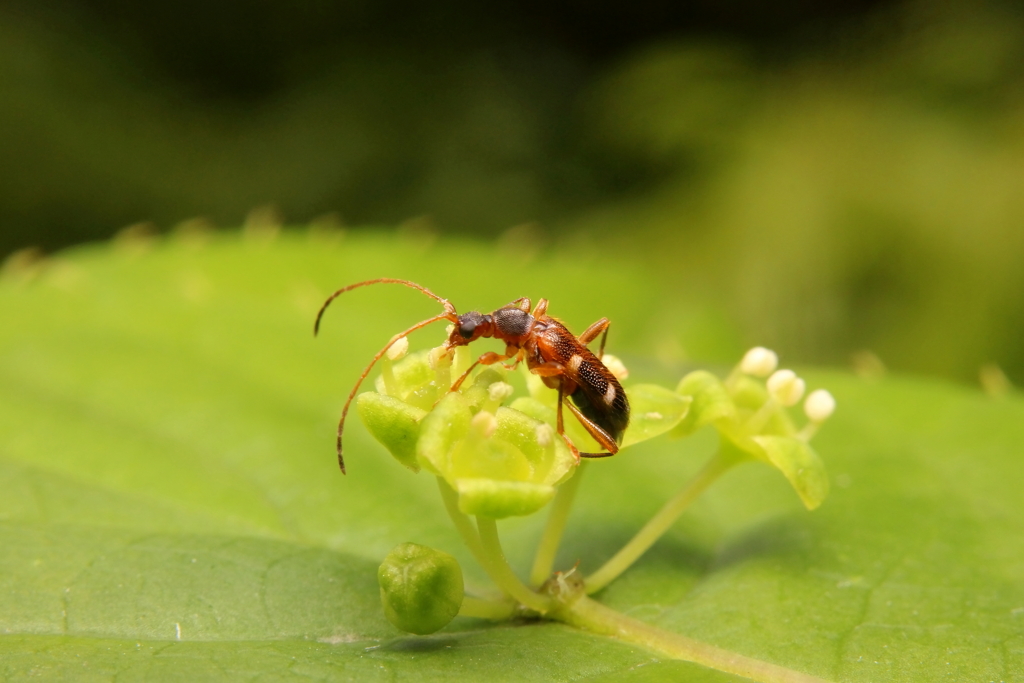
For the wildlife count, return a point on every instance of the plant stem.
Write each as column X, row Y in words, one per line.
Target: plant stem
column 544, row 560
column 758, row 420
column 387, row 373
column 486, row 548
column 497, row 568
column 495, row 610
column 594, row 616
column 658, row 524
column 462, row 523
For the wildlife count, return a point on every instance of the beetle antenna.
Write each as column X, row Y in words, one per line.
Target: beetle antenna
column 344, row 411
column 448, row 308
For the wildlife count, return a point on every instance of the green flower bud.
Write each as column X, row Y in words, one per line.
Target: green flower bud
column 711, row 402
column 748, row 393
column 421, row 588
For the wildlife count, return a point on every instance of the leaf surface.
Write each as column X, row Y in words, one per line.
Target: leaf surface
column 171, row 505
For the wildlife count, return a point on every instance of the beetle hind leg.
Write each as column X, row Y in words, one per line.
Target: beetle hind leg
column 561, row 425
column 603, row 438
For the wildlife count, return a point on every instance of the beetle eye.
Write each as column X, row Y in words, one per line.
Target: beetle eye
column 469, row 322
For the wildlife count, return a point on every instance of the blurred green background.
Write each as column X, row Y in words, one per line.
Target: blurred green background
column 837, row 180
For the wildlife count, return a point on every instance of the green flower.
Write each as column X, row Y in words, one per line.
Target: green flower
column 501, row 461
column 501, row 464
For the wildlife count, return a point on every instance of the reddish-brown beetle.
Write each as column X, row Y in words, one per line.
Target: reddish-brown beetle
column 549, row 349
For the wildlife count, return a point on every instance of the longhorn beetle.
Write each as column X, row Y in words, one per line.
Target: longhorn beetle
column 550, row 350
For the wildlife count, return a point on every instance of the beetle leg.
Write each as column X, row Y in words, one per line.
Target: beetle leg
column 603, row 438
column 542, row 308
column 355, row 389
column 523, row 303
column 561, row 426
column 518, row 358
column 550, row 369
column 590, row 334
column 489, row 358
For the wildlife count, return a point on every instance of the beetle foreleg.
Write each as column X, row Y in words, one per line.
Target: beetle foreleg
column 542, row 308
column 489, row 358
column 522, row 303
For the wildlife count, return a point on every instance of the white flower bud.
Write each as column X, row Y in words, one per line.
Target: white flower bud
column 615, row 366
column 819, row 405
column 786, row 388
column 544, row 435
column 484, row 424
column 759, row 362
column 499, row 391
column 439, row 358
column 398, row 349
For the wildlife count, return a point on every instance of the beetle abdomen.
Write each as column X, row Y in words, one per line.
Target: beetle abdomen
column 612, row 418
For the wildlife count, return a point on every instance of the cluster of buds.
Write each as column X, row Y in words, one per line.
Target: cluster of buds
column 749, row 409
column 786, row 388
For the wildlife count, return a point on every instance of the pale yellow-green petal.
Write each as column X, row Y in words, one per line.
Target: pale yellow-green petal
column 396, row 425
column 654, row 410
column 500, row 499
column 440, row 430
column 801, row 465
column 537, row 440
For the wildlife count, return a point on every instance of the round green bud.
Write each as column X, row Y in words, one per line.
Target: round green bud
column 421, row 588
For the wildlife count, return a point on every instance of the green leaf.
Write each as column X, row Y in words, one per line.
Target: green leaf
column 167, row 467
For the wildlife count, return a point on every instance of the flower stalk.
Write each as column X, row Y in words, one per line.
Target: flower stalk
column 593, row 616
column 547, row 549
column 659, row 523
column 501, row 573
column 480, row 608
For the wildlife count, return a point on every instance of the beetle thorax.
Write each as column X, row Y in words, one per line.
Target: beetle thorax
column 511, row 323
